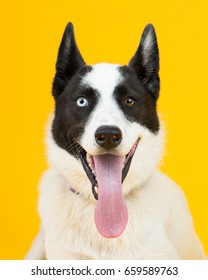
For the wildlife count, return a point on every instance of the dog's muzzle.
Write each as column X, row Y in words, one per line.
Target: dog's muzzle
column 107, row 171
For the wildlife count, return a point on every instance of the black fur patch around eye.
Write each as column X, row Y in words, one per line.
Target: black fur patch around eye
column 144, row 110
column 70, row 119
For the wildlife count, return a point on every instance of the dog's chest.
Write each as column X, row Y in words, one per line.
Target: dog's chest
column 71, row 231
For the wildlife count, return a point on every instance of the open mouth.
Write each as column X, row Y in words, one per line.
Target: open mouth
column 89, row 166
column 106, row 173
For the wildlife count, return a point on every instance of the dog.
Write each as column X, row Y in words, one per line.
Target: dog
column 103, row 196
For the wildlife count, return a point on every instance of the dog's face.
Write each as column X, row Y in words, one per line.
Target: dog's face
column 105, row 131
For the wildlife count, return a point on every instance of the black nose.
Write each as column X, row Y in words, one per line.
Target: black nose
column 108, row 137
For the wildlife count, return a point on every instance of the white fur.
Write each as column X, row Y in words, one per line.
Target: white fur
column 159, row 226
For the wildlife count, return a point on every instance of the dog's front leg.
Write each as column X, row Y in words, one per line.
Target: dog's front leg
column 37, row 250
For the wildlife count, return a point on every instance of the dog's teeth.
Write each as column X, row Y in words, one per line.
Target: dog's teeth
column 90, row 163
column 89, row 159
column 123, row 162
column 91, row 166
column 96, row 189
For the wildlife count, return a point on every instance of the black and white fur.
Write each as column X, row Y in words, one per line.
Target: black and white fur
column 88, row 98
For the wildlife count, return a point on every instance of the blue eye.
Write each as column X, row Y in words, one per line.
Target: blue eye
column 82, row 102
column 130, row 101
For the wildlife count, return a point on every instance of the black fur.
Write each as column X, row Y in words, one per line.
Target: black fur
column 70, row 119
column 145, row 62
column 141, row 81
column 69, row 61
column 144, row 110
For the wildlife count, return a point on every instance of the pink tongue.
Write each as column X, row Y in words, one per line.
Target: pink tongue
column 111, row 215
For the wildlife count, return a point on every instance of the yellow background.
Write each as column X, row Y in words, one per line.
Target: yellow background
column 106, row 31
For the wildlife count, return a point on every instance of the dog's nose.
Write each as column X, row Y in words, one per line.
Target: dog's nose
column 108, row 137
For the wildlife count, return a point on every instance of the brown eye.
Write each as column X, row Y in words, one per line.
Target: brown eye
column 130, row 101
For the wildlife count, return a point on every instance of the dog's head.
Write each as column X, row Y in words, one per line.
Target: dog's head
column 105, row 132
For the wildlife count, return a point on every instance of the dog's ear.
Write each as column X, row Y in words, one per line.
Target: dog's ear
column 145, row 62
column 69, row 60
